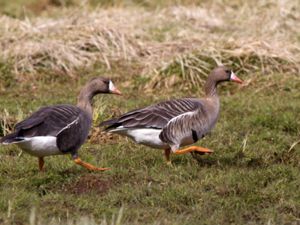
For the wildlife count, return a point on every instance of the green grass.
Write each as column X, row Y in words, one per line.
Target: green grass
column 252, row 178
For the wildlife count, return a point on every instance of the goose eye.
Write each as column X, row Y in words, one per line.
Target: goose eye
column 228, row 72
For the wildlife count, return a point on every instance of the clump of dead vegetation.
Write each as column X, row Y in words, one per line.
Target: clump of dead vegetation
column 36, row 219
column 191, row 39
column 194, row 68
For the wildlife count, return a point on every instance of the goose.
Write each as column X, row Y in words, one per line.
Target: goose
column 60, row 129
column 172, row 124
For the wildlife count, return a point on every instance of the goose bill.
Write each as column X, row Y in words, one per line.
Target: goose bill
column 234, row 78
column 113, row 89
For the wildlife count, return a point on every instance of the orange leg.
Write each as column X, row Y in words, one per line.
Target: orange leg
column 87, row 165
column 193, row 149
column 167, row 155
column 41, row 163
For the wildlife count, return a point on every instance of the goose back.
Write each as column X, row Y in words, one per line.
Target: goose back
column 69, row 124
column 156, row 116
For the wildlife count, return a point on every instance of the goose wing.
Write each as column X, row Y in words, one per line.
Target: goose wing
column 188, row 127
column 156, row 116
column 48, row 121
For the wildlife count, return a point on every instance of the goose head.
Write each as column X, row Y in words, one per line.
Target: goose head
column 101, row 85
column 223, row 73
column 218, row 75
column 98, row 85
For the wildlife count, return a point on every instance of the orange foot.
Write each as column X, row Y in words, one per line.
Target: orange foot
column 88, row 166
column 194, row 149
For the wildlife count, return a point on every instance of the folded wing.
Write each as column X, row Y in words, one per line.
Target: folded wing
column 47, row 121
column 155, row 116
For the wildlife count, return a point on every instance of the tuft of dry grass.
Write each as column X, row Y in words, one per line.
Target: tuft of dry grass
column 263, row 38
column 7, row 121
column 36, row 219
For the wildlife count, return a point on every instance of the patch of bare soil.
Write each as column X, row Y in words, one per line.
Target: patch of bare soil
column 89, row 183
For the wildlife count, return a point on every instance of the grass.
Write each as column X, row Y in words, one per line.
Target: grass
column 253, row 176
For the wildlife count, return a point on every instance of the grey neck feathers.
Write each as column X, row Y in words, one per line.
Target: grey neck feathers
column 85, row 100
column 210, row 87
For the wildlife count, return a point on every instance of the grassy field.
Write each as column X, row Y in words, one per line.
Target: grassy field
column 155, row 51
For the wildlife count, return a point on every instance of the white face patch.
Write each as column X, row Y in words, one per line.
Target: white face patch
column 232, row 76
column 111, row 86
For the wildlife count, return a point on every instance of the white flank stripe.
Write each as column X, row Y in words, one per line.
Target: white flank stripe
column 179, row 116
column 69, row 125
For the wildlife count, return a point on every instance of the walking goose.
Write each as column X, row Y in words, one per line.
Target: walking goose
column 171, row 124
column 60, row 129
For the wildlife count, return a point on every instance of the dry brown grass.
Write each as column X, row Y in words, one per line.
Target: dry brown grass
column 263, row 38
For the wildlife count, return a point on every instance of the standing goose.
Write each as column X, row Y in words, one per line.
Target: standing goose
column 174, row 123
column 60, row 129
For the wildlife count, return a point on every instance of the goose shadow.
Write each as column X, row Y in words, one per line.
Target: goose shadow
column 239, row 160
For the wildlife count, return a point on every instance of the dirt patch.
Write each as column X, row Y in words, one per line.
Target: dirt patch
column 37, row 7
column 89, row 183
